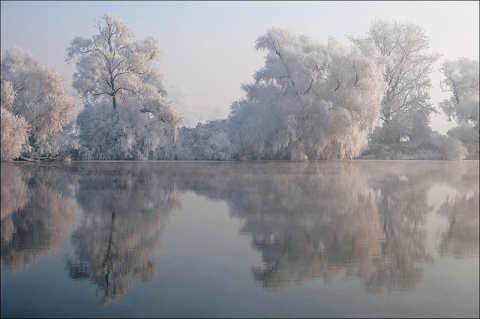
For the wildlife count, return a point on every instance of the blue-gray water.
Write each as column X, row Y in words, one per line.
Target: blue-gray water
column 240, row 239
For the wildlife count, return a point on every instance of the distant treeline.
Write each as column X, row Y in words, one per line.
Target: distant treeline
column 309, row 101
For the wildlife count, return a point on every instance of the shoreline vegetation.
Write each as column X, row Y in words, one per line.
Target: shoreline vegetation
column 367, row 99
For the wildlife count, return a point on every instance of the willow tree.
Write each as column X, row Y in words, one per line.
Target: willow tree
column 309, row 101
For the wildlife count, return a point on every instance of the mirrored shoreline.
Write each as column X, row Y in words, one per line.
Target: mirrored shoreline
column 378, row 222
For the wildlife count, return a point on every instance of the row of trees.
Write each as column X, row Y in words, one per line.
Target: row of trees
column 309, row 101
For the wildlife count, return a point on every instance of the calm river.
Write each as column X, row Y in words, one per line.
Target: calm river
column 240, row 239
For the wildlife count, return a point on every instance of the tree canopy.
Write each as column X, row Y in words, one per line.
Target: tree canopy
column 462, row 81
column 117, row 72
column 310, row 100
column 112, row 64
column 34, row 103
column 407, row 76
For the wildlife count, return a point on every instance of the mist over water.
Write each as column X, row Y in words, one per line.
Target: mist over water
column 251, row 239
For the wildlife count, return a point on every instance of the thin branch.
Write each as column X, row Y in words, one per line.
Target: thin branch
column 338, row 85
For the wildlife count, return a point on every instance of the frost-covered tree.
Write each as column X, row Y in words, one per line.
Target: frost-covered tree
column 37, row 95
column 14, row 135
column 125, row 133
column 210, row 141
column 116, row 70
column 468, row 137
column 8, row 96
column 461, row 78
column 111, row 64
column 14, row 129
column 407, row 78
column 309, row 101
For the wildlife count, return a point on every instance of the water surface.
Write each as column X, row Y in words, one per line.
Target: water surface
column 240, row 239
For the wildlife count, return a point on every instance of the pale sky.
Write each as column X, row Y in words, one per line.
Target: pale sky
column 208, row 46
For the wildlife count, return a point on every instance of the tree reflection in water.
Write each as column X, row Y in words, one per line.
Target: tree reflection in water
column 403, row 208
column 461, row 238
column 331, row 219
column 351, row 219
column 35, row 212
column 125, row 209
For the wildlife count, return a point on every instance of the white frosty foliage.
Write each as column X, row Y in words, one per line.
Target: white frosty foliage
column 8, row 95
column 41, row 97
column 127, row 114
column 407, row 76
column 13, row 128
column 210, row 141
column 309, row 101
column 461, row 78
column 14, row 134
column 125, row 133
column 112, row 65
column 35, row 105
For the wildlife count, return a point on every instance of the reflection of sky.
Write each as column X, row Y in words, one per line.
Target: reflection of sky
column 218, row 285
column 200, row 212
column 205, row 262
